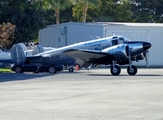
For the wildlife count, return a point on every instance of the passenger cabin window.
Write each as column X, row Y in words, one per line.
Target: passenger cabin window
column 105, row 46
column 96, row 47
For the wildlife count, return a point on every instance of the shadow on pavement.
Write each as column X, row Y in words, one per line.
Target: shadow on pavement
column 124, row 75
column 7, row 77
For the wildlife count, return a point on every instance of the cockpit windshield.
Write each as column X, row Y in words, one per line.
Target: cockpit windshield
column 117, row 41
column 121, row 40
column 126, row 40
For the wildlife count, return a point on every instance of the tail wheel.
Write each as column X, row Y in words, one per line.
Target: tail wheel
column 18, row 69
column 116, row 70
column 71, row 69
column 132, row 70
column 52, row 70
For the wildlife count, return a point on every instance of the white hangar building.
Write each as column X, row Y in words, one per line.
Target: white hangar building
column 73, row 32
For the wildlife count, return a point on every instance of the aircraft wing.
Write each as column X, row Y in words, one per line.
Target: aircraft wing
column 5, row 57
column 86, row 55
column 6, row 61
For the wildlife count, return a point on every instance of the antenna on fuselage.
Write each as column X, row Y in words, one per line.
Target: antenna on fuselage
column 98, row 37
column 91, row 37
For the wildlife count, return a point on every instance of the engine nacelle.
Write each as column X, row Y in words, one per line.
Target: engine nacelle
column 140, row 56
column 120, row 52
column 37, row 49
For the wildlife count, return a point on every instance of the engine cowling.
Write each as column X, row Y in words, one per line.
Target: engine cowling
column 120, row 52
column 37, row 49
column 140, row 56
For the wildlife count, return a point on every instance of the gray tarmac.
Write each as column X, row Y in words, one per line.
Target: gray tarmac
column 83, row 95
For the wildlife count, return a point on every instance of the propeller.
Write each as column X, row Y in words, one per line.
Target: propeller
column 128, row 52
column 146, row 55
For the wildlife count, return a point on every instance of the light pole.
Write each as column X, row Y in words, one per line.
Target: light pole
column 65, row 33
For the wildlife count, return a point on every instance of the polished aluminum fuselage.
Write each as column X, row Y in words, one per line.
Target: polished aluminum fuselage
column 119, row 47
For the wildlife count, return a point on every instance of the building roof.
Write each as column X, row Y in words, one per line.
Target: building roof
column 130, row 24
column 100, row 24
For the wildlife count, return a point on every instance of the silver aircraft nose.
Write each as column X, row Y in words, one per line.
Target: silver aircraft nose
column 146, row 45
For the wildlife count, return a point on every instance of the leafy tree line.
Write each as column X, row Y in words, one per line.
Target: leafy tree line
column 29, row 16
column 6, row 35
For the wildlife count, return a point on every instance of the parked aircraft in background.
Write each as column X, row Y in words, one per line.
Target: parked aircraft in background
column 24, row 59
column 5, row 56
column 25, row 62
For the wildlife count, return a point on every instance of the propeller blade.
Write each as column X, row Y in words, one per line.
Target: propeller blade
column 129, row 55
column 146, row 54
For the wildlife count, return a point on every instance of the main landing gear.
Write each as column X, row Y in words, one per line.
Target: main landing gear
column 115, row 69
column 131, row 70
column 71, row 69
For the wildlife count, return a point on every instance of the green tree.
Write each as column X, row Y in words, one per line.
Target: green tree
column 114, row 11
column 147, row 11
column 66, row 15
column 6, row 34
column 27, row 18
column 55, row 5
column 84, row 4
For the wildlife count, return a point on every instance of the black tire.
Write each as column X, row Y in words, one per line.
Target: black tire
column 71, row 69
column 132, row 70
column 52, row 70
column 116, row 70
column 18, row 69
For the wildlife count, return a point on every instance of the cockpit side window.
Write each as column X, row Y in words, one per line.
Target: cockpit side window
column 126, row 40
column 121, row 40
column 114, row 42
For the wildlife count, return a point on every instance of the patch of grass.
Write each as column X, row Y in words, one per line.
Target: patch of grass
column 5, row 70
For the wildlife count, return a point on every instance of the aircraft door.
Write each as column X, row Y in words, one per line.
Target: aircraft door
column 97, row 47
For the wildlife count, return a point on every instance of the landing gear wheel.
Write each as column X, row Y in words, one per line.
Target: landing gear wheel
column 132, row 70
column 116, row 70
column 71, row 69
column 18, row 69
column 52, row 70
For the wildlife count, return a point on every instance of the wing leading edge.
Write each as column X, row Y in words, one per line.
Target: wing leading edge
column 86, row 57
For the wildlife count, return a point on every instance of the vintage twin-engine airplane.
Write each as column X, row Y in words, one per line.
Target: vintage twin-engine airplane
column 114, row 51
